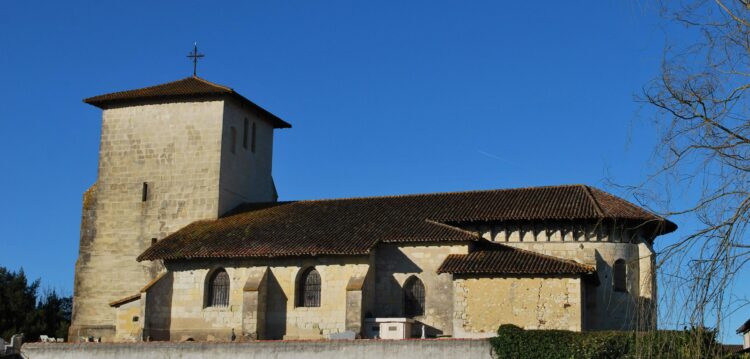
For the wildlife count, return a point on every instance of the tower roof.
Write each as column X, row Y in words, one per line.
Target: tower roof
column 188, row 88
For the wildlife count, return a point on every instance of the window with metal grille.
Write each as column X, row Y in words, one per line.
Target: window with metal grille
column 218, row 289
column 309, row 289
column 619, row 276
column 413, row 297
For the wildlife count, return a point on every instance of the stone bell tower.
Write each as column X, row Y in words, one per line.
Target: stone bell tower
column 170, row 154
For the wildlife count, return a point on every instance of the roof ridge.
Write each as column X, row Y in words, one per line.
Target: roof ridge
column 211, row 83
column 590, row 195
column 437, row 193
column 461, row 230
column 626, row 202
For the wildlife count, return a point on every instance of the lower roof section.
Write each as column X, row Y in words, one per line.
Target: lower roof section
column 498, row 259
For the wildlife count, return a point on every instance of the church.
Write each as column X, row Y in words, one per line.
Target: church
column 183, row 239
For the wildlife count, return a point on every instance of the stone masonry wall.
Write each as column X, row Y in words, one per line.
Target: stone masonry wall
column 395, row 264
column 174, row 147
column 599, row 246
column 283, row 319
column 129, row 318
column 482, row 304
column 245, row 175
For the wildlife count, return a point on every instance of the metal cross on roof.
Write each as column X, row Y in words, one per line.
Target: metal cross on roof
column 195, row 56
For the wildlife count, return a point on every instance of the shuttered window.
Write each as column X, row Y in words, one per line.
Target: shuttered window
column 413, row 297
column 309, row 289
column 218, row 286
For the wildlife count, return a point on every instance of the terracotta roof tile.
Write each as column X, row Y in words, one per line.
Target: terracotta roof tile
column 495, row 258
column 191, row 87
column 355, row 225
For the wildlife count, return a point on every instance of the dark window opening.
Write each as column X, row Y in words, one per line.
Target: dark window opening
column 309, row 289
column 144, row 192
column 218, row 289
column 153, row 241
column 232, row 139
column 413, row 297
column 244, row 134
column 619, row 276
column 252, row 142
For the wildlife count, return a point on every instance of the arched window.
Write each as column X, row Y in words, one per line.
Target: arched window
column 413, row 297
column 232, row 139
column 620, row 276
column 218, row 289
column 308, row 289
column 244, row 134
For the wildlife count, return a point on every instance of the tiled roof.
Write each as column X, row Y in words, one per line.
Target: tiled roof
column 744, row 328
column 494, row 258
column 355, row 225
column 190, row 87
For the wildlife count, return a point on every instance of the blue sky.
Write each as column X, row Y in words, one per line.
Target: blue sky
column 384, row 97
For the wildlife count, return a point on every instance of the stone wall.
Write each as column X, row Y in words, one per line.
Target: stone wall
column 394, row 264
column 282, row 319
column 482, row 304
column 128, row 322
column 174, row 148
column 156, row 300
column 181, row 151
column 598, row 245
column 344, row 349
column 245, row 175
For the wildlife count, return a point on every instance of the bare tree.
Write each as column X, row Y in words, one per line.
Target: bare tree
column 703, row 156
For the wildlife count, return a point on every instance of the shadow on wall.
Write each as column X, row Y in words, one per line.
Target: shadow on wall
column 158, row 311
column 276, row 309
column 614, row 310
column 389, row 301
column 398, row 262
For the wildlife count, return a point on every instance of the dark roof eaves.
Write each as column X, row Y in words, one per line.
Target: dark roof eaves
column 110, row 103
column 259, row 256
column 132, row 96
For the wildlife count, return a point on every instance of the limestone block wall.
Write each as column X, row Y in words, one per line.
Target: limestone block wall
column 600, row 246
column 482, row 304
column 129, row 322
column 394, row 264
column 174, row 148
column 245, row 175
column 283, row 319
column 255, row 304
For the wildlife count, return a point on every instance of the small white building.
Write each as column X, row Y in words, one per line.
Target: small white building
column 744, row 330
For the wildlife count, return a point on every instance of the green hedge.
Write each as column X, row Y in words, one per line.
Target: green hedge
column 514, row 342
